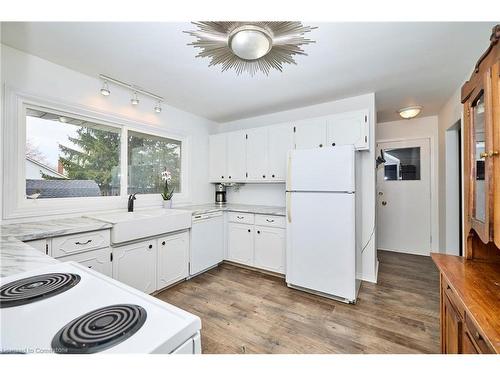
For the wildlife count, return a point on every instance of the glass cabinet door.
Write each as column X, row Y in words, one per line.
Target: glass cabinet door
column 479, row 148
column 481, row 164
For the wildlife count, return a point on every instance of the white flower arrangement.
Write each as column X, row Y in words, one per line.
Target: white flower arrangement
column 167, row 192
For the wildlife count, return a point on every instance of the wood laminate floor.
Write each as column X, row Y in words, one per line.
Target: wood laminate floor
column 245, row 311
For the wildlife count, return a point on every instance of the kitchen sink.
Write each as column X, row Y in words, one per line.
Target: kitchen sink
column 130, row 226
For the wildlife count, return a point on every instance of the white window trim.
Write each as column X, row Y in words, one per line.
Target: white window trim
column 16, row 206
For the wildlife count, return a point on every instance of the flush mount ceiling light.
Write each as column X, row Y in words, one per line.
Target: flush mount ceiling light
column 250, row 46
column 410, row 112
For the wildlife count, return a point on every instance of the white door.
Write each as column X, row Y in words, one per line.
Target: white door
column 279, row 143
column 240, row 243
column 135, row 265
column 236, row 156
column 257, row 154
column 327, row 169
column 310, row 133
column 321, row 243
column 404, row 197
column 270, row 249
column 173, row 258
column 217, row 157
column 349, row 129
column 98, row 260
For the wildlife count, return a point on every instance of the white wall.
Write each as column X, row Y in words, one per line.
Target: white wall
column 448, row 116
column 274, row 194
column 30, row 74
column 422, row 127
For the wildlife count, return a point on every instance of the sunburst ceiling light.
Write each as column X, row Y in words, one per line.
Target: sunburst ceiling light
column 250, row 46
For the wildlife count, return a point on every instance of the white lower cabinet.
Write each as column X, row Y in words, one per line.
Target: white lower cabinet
column 262, row 245
column 240, row 243
column 270, row 249
column 173, row 258
column 135, row 265
column 99, row 260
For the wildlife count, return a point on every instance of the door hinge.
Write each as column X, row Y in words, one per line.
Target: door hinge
column 294, row 129
column 47, row 248
column 366, row 118
column 246, row 136
column 111, row 256
column 246, row 174
column 366, row 138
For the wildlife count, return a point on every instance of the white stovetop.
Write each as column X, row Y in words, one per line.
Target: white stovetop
column 31, row 327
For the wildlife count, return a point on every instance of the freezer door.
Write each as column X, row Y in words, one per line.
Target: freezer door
column 321, row 169
column 321, row 243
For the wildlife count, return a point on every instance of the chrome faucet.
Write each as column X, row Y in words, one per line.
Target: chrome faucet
column 131, row 199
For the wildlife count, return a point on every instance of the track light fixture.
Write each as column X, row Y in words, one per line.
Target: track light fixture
column 105, row 89
column 136, row 90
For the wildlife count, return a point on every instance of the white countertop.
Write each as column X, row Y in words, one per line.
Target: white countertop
column 17, row 256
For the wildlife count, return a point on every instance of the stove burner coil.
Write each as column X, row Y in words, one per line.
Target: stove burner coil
column 35, row 288
column 99, row 329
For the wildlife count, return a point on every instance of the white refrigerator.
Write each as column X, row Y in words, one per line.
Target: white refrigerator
column 321, row 222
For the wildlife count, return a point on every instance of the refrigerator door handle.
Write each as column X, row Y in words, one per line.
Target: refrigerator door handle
column 289, row 171
column 289, row 207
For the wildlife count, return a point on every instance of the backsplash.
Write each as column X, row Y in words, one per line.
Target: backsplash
column 260, row 194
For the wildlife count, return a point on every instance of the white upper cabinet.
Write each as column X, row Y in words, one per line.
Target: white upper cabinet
column 280, row 141
column 257, row 154
column 310, row 133
column 217, row 157
column 236, row 156
column 349, row 129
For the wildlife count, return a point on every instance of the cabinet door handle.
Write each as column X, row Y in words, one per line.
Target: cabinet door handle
column 270, row 220
column 249, row 231
column 240, row 217
column 89, row 266
column 163, row 243
column 333, row 143
column 150, row 246
column 478, row 336
column 272, row 176
column 258, row 232
column 222, row 177
column 321, row 145
column 229, row 176
column 263, row 176
column 83, row 243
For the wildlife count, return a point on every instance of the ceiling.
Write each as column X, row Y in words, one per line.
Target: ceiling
column 403, row 63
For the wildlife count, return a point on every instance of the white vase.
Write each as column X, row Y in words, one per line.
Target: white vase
column 167, row 204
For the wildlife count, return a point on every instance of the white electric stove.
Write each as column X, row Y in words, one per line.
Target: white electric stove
column 68, row 308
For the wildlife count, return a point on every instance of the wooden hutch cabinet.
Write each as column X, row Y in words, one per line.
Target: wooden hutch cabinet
column 470, row 285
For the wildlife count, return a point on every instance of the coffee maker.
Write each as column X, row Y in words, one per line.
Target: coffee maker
column 220, row 194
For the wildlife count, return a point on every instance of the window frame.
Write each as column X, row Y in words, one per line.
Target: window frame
column 14, row 202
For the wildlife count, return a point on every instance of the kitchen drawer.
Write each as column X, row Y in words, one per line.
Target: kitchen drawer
column 453, row 297
column 241, row 217
column 99, row 260
column 477, row 337
column 77, row 243
column 270, row 221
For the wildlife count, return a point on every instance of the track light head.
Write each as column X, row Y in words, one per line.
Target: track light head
column 105, row 89
column 135, row 99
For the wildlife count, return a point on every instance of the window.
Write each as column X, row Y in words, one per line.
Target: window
column 147, row 157
column 402, row 164
column 70, row 157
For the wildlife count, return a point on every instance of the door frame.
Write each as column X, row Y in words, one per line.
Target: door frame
column 434, row 193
